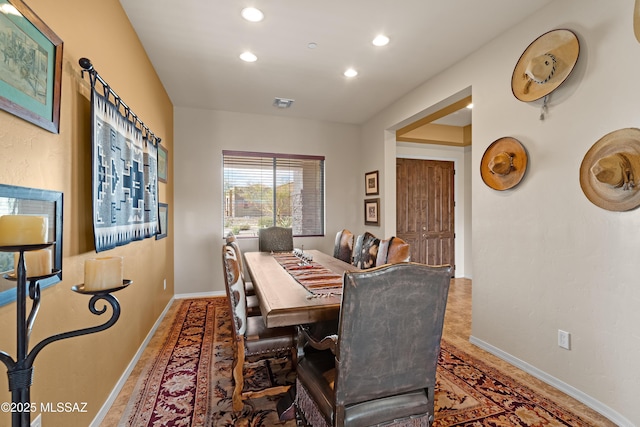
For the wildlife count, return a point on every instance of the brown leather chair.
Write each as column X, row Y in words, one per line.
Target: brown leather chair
column 343, row 248
column 233, row 242
column 253, row 341
column 365, row 251
column 393, row 251
column 381, row 366
column 275, row 239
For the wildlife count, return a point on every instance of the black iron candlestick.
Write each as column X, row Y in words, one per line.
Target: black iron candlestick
column 20, row 370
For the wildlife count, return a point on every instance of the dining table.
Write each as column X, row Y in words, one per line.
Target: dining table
column 296, row 290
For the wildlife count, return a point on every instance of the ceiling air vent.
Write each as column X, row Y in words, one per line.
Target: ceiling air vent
column 282, row 102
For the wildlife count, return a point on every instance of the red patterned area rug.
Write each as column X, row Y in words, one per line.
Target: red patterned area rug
column 189, row 384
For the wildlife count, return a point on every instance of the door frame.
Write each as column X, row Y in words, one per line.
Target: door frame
column 461, row 158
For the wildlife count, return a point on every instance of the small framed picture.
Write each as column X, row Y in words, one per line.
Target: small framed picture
column 371, row 183
column 162, row 163
column 372, row 212
column 163, row 220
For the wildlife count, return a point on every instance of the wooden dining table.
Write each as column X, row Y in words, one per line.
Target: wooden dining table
column 284, row 301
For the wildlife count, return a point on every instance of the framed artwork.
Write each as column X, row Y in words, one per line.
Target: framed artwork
column 372, row 212
column 163, row 219
column 371, row 183
column 162, row 163
column 31, row 69
column 31, row 201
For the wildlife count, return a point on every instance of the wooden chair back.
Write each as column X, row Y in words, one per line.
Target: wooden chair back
column 393, row 251
column 275, row 239
column 343, row 247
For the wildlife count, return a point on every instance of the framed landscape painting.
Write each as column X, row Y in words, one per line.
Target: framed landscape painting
column 162, row 163
column 31, row 66
column 163, row 218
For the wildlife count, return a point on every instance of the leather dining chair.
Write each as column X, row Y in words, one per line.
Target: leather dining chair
column 392, row 251
column 380, row 367
column 366, row 251
column 275, row 239
column 253, row 342
column 233, row 242
column 251, row 299
column 343, row 247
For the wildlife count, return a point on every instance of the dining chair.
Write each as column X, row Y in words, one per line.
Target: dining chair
column 392, row 251
column 233, row 242
column 251, row 299
column 270, row 352
column 365, row 251
column 380, row 367
column 343, row 247
column 275, row 239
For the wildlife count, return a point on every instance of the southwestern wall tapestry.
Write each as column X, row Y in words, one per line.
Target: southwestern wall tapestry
column 125, row 177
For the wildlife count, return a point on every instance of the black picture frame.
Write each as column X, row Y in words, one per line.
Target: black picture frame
column 163, row 220
column 24, row 200
column 372, row 212
column 30, row 83
column 371, row 187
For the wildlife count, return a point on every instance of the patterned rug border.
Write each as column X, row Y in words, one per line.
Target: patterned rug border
column 145, row 393
column 527, row 394
column 478, row 394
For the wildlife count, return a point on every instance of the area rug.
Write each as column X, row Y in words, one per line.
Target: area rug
column 189, row 384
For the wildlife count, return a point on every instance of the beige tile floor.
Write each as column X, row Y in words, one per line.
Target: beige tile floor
column 457, row 329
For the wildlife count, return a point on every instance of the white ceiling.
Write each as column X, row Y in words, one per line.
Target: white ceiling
column 194, row 46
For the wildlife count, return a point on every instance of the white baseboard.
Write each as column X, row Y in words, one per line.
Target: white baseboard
column 592, row 403
column 125, row 375
column 201, row 295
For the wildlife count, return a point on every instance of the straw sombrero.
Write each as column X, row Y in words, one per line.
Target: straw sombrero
column 545, row 64
column 503, row 163
column 610, row 171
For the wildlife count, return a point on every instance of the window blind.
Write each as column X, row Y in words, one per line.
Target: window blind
column 266, row 189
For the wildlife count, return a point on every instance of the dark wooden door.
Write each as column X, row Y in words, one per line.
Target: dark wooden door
column 425, row 209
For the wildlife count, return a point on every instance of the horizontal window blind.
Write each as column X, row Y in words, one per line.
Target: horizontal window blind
column 266, row 189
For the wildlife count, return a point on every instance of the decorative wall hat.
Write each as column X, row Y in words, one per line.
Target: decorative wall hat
column 610, row 171
column 545, row 64
column 503, row 163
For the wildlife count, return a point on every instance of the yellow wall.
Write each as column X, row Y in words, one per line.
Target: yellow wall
column 86, row 368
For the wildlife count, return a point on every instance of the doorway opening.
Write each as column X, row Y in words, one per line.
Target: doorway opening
column 433, row 184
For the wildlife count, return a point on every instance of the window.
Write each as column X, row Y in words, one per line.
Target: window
column 266, row 189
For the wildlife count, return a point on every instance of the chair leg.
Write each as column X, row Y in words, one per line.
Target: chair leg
column 238, row 376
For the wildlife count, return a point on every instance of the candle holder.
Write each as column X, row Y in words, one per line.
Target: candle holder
column 20, row 370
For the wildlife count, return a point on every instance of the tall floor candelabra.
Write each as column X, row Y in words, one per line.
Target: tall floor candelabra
column 20, row 370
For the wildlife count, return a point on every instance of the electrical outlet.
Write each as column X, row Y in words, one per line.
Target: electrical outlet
column 37, row 422
column 564, row 339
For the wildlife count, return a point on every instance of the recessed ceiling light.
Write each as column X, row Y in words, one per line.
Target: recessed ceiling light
column 252, row 14
column 312, row 45
column 380, row 40
column 248, row 57
column 350, row 73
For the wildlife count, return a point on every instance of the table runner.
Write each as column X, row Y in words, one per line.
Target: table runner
column 314, row 277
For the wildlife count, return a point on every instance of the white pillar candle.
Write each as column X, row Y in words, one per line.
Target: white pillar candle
column 16, row 230
column 103, row 273
column 37, row 263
